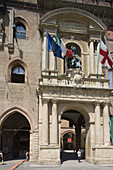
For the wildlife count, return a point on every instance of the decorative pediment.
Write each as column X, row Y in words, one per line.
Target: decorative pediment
column 74, row 20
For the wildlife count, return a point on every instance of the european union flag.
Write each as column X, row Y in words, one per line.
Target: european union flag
column 52, row 45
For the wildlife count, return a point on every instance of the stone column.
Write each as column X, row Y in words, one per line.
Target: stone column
column 54, row 127
column 43, row 52
column 45, row 122
column 100, row 65
column 97, row 125
column 40, row 119
column 106, row 125
column 92, row 57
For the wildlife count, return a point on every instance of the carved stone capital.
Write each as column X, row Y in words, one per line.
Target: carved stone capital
column 45, row 101
column 54, row 101
column 105, row 103
column 96, row 103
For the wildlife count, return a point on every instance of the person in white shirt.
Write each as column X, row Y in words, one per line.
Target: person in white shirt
column 79, row 155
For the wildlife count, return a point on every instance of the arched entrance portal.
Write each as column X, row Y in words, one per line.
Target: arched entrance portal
column 73, row 132
column 68, row 141
column 15, row 136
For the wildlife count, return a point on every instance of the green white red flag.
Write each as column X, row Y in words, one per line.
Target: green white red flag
column 65, row 51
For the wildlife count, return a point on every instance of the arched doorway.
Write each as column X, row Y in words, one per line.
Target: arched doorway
column 73, row 132
column 68, row 141
column 15, row 136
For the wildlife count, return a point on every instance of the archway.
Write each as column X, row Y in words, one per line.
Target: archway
column 15, row 136
column 73, row 132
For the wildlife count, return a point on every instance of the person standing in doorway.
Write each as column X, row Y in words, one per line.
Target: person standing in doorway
column 79, row 155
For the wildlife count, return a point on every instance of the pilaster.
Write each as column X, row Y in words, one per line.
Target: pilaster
column 40, row 119
column 45, row 122
column 97, row 124
column 91, row 57
column 100, row 65
column 106, row 124
column 43, row 52
column 54, row 127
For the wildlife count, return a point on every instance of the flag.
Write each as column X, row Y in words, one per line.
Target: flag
column 65, row 51
column 52, row 45
column 105, row 57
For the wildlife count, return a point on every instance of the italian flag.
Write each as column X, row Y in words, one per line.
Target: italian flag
column 65, row 51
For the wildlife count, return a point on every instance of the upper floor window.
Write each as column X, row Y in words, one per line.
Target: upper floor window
column 18, row 74
column 20, row 31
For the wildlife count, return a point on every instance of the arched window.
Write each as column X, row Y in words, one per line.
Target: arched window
column 20, row 31
column 18, row 74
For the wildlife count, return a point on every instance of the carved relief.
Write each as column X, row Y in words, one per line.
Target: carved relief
column 76, row 75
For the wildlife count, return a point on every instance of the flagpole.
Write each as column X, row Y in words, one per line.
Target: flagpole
column 55, row 57
column 98, row 56
column 46, row 52
column 106, row 60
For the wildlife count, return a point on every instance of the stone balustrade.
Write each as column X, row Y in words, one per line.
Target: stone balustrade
column 67, row 81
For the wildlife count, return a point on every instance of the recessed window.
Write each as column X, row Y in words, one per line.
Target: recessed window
column 20, row 31
column 18, row 74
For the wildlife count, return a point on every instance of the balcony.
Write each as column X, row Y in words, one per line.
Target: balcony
column 74, row 78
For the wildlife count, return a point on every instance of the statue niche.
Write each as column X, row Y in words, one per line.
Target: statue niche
column 75, row 62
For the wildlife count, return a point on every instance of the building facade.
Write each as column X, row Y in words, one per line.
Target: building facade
column 39, row 92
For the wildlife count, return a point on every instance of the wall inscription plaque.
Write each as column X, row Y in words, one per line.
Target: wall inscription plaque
column 73, row 26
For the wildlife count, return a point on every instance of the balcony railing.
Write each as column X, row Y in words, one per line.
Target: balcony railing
column 68, row 81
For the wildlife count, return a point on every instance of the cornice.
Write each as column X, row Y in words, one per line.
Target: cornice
column 22, row 4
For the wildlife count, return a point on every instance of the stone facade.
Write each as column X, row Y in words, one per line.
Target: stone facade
column 31, row 111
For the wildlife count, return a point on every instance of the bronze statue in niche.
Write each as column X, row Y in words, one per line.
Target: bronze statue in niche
column 74, row 62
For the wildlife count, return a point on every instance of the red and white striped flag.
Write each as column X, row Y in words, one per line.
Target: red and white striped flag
column 105, row 57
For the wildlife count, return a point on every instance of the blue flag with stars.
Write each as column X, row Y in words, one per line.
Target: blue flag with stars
column 52, row 45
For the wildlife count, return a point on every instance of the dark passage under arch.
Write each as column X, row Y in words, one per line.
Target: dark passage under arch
column 15, row 136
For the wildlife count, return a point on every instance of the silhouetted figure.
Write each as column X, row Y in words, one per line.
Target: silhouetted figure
column 79, row 155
